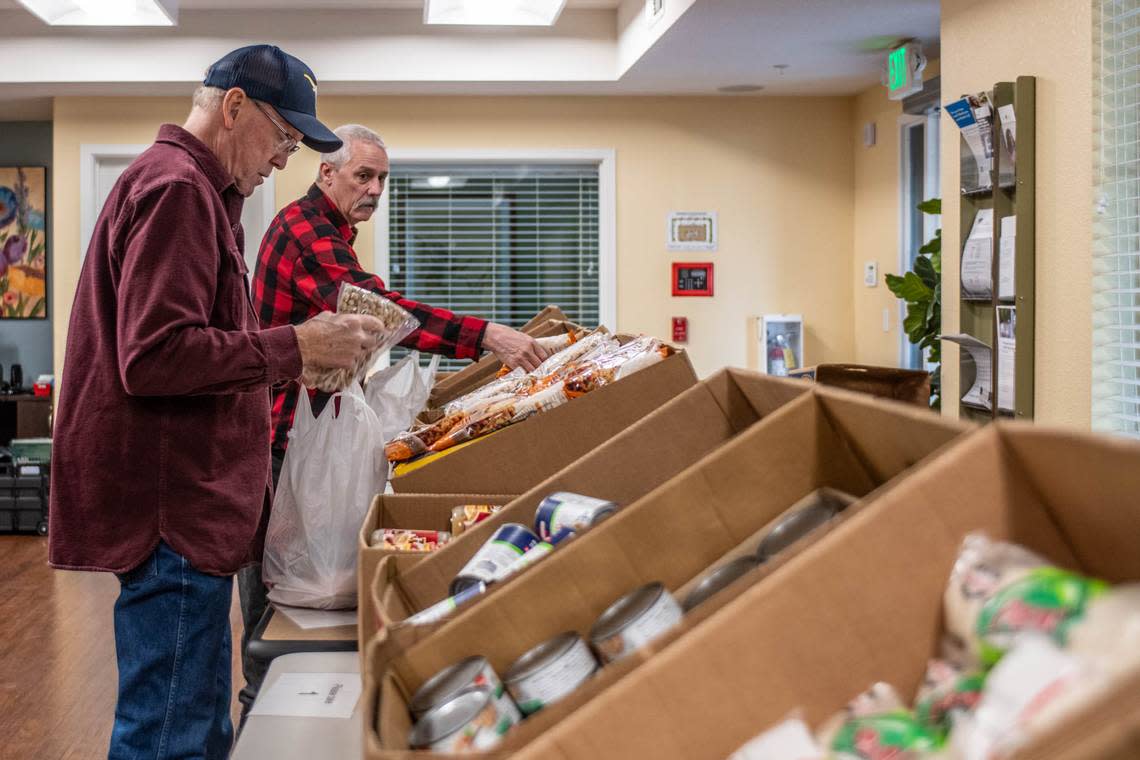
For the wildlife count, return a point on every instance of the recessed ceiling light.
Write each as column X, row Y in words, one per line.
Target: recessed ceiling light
column 105, row 12
column 735, row 89
column 493, row 12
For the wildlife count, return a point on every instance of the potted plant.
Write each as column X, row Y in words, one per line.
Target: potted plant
column 921, row 289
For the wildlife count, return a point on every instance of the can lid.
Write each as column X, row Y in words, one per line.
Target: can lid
column 446, row 718
column 794, row 527
column 625, row 610
column 446, row 683
column 540, row 655
column 718, row 578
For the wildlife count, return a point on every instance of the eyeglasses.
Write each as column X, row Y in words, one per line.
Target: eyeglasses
column 288, row 142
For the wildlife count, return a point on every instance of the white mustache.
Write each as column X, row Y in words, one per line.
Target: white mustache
column 370, row 203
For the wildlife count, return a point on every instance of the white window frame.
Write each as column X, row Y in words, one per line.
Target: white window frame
column 931, row 179
column 604, row 159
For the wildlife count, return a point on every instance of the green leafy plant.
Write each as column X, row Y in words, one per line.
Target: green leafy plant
column 921, row 289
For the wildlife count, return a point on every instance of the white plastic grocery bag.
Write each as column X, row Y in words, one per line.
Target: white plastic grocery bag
column 333, row 467
column 399, row 392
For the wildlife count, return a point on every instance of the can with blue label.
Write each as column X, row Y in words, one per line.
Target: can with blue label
column 540, row 551
column 507, row 544
column 570, row 510
column 441, row 610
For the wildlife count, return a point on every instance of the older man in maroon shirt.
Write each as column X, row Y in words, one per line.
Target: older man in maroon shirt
column 161, row 469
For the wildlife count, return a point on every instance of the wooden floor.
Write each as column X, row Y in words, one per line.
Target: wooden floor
column 57, row 656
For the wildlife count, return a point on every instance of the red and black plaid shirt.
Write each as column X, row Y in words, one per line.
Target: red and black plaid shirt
column 305, row 255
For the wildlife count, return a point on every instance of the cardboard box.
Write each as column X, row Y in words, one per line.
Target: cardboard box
column 864, row 604
column 824, row 438
column 514, row 459
column 549, row 321
column 413, row 511
column 909, row 385
column 623, row 469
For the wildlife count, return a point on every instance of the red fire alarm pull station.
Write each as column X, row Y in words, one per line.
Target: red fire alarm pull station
column 680, row 329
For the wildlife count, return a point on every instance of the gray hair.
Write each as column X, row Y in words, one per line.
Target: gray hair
column 208, row 98
column 350, row 133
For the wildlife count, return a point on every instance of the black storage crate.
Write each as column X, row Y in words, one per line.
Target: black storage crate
column 24, row 498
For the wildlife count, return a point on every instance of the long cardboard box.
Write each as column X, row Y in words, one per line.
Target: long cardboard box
column 825, row 438
column 622, row 469
column 514, row 459
column 864, row 604
column 549, row 321
column 414, row 511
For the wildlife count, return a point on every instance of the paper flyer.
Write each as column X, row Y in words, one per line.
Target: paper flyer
column 1007, row 250
column 1008, row 133
column 974, row 118
column 981, row 392
column 310, row 695
column 977, row 257
column 1007, row 357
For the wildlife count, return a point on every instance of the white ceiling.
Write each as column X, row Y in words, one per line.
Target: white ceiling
column 598, row 47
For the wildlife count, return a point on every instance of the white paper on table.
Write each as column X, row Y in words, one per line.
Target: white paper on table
column 1007, row 251
column 308, row 619
column 309, row 695
column 981, row 392
column 977, row 257
column 1007, row 356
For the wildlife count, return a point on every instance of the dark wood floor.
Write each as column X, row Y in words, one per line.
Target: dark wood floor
column 57, row 656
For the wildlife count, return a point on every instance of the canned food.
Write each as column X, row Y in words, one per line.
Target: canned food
column 540, row 551
column 440, row 610
column 402, row 540
column 468, row 722
column 718, row 578
column 447, row 683
column 795, row 526
column 633, row 621
column 507, row 544
column 570, row 510
column 550, row 671
column 467, row 515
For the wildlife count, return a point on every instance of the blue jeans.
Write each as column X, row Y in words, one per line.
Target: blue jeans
column 172, row 641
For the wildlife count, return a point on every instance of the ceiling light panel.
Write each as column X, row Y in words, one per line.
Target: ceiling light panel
column 493, row 12
column 105, row 12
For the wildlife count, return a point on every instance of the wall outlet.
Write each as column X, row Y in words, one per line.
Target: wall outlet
column 871, row 273
column 886, row 320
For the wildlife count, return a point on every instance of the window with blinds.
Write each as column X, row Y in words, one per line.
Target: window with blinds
column 1116, row 254
column 498, row 241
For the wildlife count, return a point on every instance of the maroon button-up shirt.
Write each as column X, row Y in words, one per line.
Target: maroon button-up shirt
column 162, row 424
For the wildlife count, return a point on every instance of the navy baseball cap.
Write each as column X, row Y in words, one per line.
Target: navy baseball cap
column 269, row 74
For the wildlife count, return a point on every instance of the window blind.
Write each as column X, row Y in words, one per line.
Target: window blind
column 499, row 242
column 1116, row 253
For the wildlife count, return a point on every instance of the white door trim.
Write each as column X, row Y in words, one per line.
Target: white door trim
column 603, row 158
column 90, row 156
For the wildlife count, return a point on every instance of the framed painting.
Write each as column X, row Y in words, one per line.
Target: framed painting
column 23, row 242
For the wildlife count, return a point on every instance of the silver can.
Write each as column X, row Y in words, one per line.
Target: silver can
column 795, row 526
column 570, row 510
column 471, row 671
column 468, row 722
column 550, row 671
column 717, row 579
column 633, row 621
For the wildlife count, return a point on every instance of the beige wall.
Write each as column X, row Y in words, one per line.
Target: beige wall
column 985, row 42
column 779, row 172
column 876, row 235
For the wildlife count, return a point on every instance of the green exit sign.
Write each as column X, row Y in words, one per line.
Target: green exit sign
column 904, row 71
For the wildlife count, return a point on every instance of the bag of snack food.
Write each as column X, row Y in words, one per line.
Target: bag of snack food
column 398, row 324
column 999, row 591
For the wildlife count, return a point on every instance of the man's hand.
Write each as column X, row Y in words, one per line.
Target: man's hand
column 513, row 348
column 337, row 341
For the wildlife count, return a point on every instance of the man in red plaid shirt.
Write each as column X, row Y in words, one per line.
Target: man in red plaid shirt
column 304, row 258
